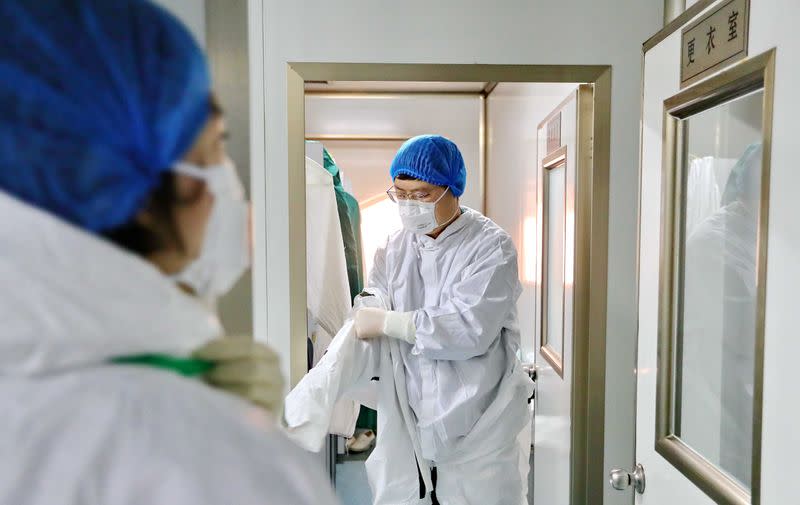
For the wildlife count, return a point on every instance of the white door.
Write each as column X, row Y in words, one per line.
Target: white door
column 556, row 194
column 707, row 155
column 563, row 160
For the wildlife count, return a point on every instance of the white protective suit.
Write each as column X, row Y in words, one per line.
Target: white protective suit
column 457, row 399
column 77, row 430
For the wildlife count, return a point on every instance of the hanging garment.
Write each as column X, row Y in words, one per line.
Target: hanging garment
column 350, row 220
column 350, row 216
column 327, row 284
column 77, row 430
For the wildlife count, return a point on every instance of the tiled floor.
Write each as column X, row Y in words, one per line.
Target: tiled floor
column 351, row 483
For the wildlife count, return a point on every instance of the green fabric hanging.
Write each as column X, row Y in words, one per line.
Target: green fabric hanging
column 351, row 233
column 187, row 367
column 350, row 224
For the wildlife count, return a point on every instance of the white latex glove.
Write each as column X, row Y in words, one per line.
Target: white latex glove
column 245, row 368
column 373, row 322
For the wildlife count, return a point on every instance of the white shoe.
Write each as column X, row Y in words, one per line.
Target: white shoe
column 361, row 442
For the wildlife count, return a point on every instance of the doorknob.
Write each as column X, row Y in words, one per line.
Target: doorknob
column 622, row 480
column 530, row 369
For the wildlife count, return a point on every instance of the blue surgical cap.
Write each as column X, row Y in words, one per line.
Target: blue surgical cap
column 97, row 99
column 433, row 159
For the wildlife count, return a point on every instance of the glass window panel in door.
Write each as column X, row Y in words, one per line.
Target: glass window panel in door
column 555, row 200
column 715, row 351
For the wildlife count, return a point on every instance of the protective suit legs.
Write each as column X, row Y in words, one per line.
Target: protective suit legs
column 495, row 479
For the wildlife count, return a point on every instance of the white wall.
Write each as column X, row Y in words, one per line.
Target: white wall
column 513, row 114
column 227, row 48
column 454, row 116
column 772, row 25
column 192, row 13
column 463, row 31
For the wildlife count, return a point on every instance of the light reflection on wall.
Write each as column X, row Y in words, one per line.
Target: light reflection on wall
column 569, row 247
column 529, row 250
column 378, row 221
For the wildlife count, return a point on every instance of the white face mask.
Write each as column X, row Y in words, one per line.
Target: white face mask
column 225, row 255
column 419, row 217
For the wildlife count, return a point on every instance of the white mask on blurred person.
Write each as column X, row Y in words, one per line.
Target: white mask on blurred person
column 225, row 254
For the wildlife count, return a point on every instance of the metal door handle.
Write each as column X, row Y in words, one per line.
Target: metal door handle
column 622, row 480
column 530, row 369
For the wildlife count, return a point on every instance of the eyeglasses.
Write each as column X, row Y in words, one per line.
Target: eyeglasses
column 402, row 196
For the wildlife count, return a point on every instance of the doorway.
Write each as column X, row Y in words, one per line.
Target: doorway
column 306, row 80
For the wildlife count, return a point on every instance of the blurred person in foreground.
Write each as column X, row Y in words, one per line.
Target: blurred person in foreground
column 119, row 214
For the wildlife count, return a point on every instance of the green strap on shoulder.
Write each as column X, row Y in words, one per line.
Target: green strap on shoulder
column 188, row 367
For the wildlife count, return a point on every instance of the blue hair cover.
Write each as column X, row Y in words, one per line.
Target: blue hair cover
column 97, row 99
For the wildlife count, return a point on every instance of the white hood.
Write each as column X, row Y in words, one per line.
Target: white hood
column 70, row 299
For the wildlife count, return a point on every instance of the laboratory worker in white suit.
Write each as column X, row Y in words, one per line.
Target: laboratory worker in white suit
column 443, row 293
column 119, row 213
